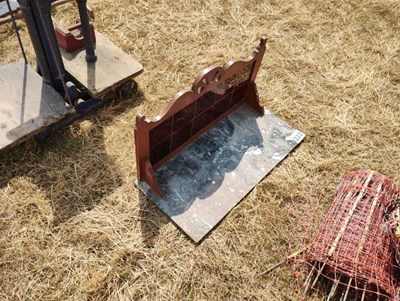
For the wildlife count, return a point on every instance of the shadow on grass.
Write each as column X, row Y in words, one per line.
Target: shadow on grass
column 71, row 168
column 151, row 220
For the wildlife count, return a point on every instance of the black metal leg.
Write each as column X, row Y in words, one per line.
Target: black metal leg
column 47, row 23
column 83, row 15
column 36, row 41
column 16, row 31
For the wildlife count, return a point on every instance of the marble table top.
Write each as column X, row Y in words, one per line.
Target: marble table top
column 213, row 174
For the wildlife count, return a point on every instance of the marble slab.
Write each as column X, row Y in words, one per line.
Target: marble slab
column 207, row 179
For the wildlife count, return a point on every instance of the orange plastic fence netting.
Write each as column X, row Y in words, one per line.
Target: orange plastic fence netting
column 352, row 255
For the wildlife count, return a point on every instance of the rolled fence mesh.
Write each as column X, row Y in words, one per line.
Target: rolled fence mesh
column 352, row 255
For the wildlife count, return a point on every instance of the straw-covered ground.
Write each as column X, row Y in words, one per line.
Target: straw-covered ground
column 74, row 227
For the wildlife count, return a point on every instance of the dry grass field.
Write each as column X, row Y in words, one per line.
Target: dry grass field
column 74, row 227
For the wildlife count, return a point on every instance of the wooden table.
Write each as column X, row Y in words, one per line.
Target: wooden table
column 27, row 105
column 111, row 70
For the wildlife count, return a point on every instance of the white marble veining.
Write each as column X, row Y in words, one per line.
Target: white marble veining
column 207, row 179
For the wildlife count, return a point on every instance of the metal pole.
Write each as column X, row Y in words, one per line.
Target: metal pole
column 45, row 18
column 41, row 60
column 87, row 37
column 17, row 31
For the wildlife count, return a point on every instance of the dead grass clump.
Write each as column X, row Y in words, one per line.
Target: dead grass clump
column 74, row 227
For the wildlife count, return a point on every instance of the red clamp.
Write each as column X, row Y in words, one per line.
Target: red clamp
column 72, row 39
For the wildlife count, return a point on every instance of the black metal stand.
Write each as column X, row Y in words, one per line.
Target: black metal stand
column 47, row 24
column 37, row 15
column 87, row 38
column 41, row 57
